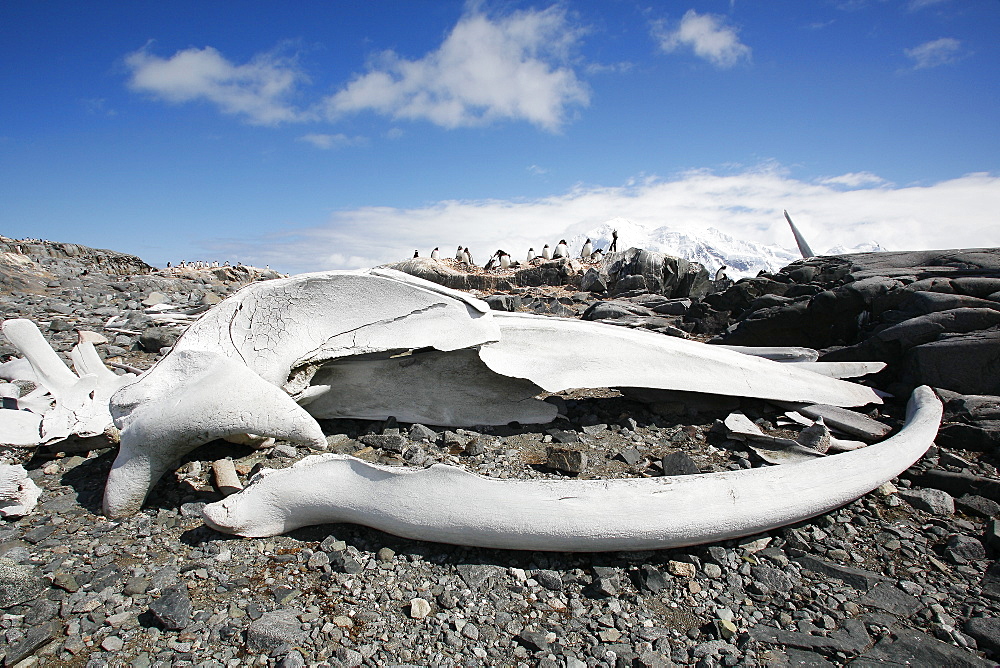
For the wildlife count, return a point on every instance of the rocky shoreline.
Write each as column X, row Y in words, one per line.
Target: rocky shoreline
column 905, row 574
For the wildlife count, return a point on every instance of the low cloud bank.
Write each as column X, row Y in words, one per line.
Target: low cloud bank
column 843, row 210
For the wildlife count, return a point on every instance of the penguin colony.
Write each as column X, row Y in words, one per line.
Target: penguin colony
column 501, row 259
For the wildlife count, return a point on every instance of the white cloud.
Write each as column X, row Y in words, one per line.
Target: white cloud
column 327, row 141
column 956, row 213
column 916, row 5
column 259, row 90
column 934, row 53
column 535, row 170
column 510, row 68
column 706, row 35
column 854, row 180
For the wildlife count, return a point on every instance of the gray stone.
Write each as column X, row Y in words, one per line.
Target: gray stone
column 155, row 338
column 851, row 639
column 18, row 584
column 962, row 549
column 771, row 579
column 974, row 504
column 986, row 631
column 909, row 647
column 653, row 579
column 34, row 638
column 679, row 463
column 564, row 459
column 419, row 432
column 173, row 609
column 933, row 501
column 475, row 575
column 274, row 629
column 885, row 596
column 389, row 442
column 549, row 579
column 858, row 578
column 535, row 640
column 630, row 456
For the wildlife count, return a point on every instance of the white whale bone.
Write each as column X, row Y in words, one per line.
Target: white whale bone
column 448, row 389
column 18, row 369
column 20, row 428
column 50, row 371
column 772, row 449
column 447, row 504
column 560, row 354
column 279, row 332
column 836, row 444
column 849, row 422
column 283, row 332
column 777, row 353
column 86, row 360
column 79, row 404
column 841, row 369
column 194, row 397
column 9, row 391
column 18, row 492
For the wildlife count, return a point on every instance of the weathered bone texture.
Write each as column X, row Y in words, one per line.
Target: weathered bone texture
column 79, row 402
column 379, row 343
column 18, row 492
column 447, row 504
column 560, row 354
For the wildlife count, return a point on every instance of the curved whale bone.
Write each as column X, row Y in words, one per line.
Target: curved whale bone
column 77, row 403
column 379, row 343
column 447, row 504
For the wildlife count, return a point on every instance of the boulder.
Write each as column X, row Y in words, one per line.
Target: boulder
column 965, row 363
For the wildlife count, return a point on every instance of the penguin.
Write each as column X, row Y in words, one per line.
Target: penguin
column 721, row 273
column 531, row 254
column 546, row 253
column 435, row 255
column 460, row 254
column 597, row 255
column 504, row 260
column 588, row 249
column 561, row 250
column 468, row 256
column 492, row 261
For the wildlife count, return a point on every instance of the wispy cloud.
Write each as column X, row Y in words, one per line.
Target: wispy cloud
column 916, row 5
column 854, row 180
column 935, row 53
column 842, row 210
column 514, row 67
column 536, row 170
column 707, row 35
column 327, row 141
column 258, row 91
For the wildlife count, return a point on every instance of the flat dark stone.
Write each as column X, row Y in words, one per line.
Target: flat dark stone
column 173, row 609
column 858, row 578
column 679, row 463
column 986, row 631
column 33, row 640
column 911, row 648
column 885, row 596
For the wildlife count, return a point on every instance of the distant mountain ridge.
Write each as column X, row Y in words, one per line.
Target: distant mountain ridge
column 710, row 247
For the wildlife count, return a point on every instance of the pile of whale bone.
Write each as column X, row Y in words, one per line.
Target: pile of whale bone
column 278, row 355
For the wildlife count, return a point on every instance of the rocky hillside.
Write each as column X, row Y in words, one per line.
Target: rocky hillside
column 906, row 575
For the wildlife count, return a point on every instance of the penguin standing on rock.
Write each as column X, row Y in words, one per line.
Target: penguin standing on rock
column 531, row 254
column 504, row 260
column 588, row 249
column 435, row 255
column 546, row 253
column 468, row 256
column 562, row 250
column 597, row 255
column 492, row 262
column 460, row 254
column 416, row 253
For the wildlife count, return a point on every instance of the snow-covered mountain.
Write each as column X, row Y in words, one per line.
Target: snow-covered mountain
column 709, row 246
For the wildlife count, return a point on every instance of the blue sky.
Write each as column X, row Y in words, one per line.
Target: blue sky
column 338, row 135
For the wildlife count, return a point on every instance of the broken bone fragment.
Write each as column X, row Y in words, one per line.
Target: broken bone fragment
column 447, row 504
column 277, row 355
column 66, row 403
column 18, row 492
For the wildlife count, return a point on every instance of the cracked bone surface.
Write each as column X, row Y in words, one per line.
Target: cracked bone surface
column 278, row 354
column 447, row 504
